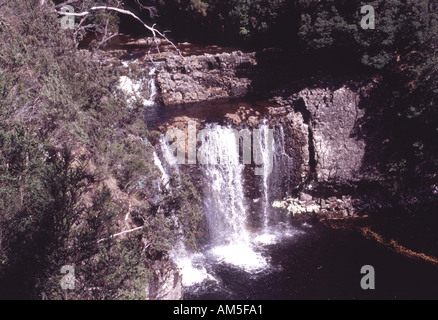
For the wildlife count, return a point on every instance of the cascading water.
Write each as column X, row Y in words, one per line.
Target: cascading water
column 152, row 88
column 224, row 202
column 190, row 263
column 264, row 151
column 274, row 185
column 281, row 180
column 143, row 88
column 234, row 241
column 224, row 199
column 243, row 262
column 159, row 164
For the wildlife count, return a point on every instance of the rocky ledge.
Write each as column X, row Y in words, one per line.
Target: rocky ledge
column 334, row 207
column 206, row 77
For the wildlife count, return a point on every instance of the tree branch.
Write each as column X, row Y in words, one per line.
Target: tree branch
column 120, row 233
column 64, row 3
column 152, row 29
column 153, row 12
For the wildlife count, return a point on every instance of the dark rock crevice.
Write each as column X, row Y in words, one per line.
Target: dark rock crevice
column 300, row 106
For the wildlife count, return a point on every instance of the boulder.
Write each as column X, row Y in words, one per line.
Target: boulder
column 166, row 283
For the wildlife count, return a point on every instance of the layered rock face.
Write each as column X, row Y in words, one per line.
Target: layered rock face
column 205, row 77
column 332, row 116
column 338, row 153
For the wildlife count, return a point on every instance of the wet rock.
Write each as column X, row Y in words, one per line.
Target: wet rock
column 166, row 283
column 333, row 117
column 277, row 111
column 332, row 207
column 234, row 119
column 253, row 121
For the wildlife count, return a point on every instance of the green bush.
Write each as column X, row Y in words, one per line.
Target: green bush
column 65, row 130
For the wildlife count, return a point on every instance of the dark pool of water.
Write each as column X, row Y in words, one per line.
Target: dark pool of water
column 322, row 263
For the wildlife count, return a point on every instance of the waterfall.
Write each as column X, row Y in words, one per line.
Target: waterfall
column 224, row 200
column 274, row 184
column 282, row 178
column 191, row 264
column 135, row 88
column 169, row 159
column 152, row 88
column 159, row 164
column 222, row 182
column 265, row 148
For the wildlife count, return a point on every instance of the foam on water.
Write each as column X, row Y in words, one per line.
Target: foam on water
column 226, row 208
column 191, row 265
column 265, row 239
column 240, row 255
column 191, row 274
column 272, row 236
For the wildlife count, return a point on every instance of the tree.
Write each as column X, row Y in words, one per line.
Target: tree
column 57, row 209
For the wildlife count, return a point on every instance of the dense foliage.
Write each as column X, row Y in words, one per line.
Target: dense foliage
column 73, row 162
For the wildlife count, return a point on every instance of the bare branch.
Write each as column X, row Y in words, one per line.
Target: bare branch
column 152, row 29
column 105, row 37
column 153, row 12
column 64, row 3
column 120, row 233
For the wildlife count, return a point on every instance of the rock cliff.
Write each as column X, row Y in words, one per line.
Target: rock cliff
column 332, row 116
column 205, row 77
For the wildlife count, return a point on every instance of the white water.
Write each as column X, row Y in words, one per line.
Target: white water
column 191, row 265
column 169, row 158
column 232, row 241
column 152, row 88
column 224, row 200
column 266, row 148
column 164, row 175
column 144, row 88
column 225, row 206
